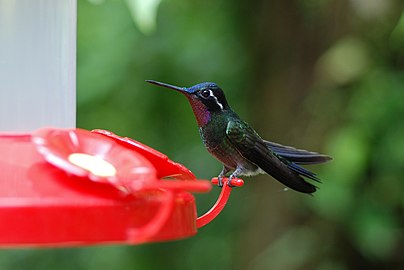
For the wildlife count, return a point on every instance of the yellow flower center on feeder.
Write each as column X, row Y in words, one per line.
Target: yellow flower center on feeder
column 93, row 164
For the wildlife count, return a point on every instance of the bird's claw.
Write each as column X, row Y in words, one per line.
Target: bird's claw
column 228, row 182
column 220, row 182
column 233, row 176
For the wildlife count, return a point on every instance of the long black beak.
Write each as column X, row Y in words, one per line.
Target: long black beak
column 177, row 88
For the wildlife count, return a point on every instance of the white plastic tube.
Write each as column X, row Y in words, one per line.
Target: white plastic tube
column 37, row 64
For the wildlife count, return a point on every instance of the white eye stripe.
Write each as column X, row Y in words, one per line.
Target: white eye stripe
column 217, row 101
column 210, row 92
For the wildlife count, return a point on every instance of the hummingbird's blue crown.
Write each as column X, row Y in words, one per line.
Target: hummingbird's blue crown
column 202, row 86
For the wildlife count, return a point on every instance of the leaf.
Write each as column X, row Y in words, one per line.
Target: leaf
column 144, row 13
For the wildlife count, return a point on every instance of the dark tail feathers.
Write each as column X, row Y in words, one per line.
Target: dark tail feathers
column 292, row 157
column 298, row 156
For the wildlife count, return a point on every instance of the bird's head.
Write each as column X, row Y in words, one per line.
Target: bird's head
column 205, row 98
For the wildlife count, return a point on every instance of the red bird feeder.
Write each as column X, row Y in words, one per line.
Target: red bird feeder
column 64, row 187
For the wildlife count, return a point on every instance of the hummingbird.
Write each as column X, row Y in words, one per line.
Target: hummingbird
column 239, row 147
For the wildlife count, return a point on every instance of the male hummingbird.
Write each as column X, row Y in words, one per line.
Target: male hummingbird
column 239, row 147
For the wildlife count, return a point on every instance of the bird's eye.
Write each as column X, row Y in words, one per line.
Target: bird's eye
column 205, row 93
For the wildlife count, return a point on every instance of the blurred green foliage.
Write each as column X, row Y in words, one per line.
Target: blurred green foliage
column 326, row 75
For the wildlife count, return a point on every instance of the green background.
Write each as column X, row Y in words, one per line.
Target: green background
column 324, row 75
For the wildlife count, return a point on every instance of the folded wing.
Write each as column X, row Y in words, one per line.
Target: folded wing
column 250, row 145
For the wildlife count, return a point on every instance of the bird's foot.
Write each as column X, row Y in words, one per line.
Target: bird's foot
column 232, row 182
column 232, row 176
column 220, row 181
column 229, row 182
